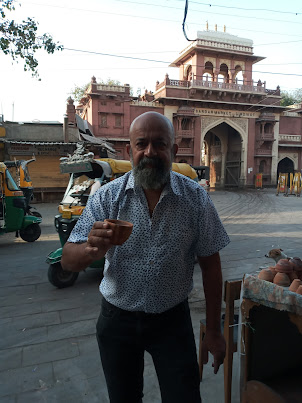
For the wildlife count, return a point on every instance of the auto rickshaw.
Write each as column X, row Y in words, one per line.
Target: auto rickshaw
column 13, row 217
column 203, row 173
column 24, row 181
column 83, row 175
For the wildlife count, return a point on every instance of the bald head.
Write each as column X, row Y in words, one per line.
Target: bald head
column 152, row 120
column 151, row 149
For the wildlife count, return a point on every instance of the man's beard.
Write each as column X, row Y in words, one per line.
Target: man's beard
column 154, row 177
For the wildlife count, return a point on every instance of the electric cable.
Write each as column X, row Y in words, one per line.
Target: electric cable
column 169, row 62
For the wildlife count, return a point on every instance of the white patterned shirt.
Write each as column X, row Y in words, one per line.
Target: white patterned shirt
column 153, row 270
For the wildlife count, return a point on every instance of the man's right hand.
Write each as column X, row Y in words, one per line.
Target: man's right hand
column 99, row 240
column 77, row 256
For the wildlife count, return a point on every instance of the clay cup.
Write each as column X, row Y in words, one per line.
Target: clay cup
column 121, row 230
column 267, row 275
column 282, row 279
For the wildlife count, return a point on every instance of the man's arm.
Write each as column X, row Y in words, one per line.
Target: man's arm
column 77, row 256
column 212, row 283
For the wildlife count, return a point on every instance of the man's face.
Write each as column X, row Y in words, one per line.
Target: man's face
column 151, row 152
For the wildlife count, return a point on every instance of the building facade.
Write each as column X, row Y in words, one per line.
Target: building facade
column 222, row 117
column 47, row 142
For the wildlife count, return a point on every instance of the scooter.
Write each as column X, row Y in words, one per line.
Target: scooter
column 13, row 217
column 24, row 181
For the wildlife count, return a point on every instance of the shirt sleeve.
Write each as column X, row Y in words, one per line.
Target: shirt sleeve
column 94, row 211
column 211, row 236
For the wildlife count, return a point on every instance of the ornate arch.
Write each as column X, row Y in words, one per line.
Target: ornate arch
column 291, row 156
column 239, row 124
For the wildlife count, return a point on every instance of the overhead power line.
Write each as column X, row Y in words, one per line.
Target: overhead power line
column 245, row 9
column 161, row 19
column 169, row 62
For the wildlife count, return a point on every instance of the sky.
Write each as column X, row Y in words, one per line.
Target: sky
column 108, row 39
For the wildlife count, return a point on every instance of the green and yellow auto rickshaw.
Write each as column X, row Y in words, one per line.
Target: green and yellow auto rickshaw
column 84, row 174
column 19, row 170
column 13, row 217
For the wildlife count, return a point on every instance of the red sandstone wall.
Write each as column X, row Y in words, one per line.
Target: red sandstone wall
column 136, row 110
column 290, row 125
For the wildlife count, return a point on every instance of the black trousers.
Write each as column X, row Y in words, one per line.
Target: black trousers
column 124, row 336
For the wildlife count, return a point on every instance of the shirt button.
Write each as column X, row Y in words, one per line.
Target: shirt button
column 151, row 262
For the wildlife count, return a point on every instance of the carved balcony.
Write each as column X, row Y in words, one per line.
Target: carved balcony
column 184, row 133
column 183, row 150
column 263, row 151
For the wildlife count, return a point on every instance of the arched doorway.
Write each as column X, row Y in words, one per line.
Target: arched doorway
column 286, row 165
column 222, row 150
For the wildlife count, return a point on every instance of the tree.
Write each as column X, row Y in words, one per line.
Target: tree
column 291, row 97
column 21, row 40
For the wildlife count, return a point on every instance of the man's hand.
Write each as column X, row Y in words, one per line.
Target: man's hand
column 78, row 256
column 214, row 343
column 99, row 240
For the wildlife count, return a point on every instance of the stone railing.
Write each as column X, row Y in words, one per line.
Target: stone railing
column 213, row 85
column 114, row 88
column 289, row 137
column 184, row 151
column 292, row 114
column 183, row 133
column 227, row 86
column 179, row 83
column 146, row 103
column 267, row 136
column 223, row 45
column 263, row 151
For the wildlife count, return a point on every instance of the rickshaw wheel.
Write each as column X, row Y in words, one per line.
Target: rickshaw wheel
column 59, row 277
column 30, row 233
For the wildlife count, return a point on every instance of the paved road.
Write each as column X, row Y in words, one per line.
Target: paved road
column 48, row 351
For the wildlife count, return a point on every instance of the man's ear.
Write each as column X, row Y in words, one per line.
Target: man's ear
column 128, row 149
column 174, row 149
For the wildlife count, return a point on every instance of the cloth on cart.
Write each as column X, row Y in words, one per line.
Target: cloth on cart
column 271, row 295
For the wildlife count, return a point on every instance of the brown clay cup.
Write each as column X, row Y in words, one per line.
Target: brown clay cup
column 121, row 230
column 282, row 279
column 267, row 275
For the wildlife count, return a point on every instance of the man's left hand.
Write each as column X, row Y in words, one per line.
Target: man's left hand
column 214, row 343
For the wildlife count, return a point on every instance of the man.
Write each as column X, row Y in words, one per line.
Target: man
column 147, row 280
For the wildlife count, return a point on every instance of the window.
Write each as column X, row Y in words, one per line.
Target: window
column 262, row 166
column 103, row 103
column 118, row 120
column 103, row 120
column 10, row 183
column 118, row 104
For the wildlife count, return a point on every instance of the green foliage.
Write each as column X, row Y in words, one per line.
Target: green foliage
column 21, row 40
column 291, row 97
column 79, row 92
